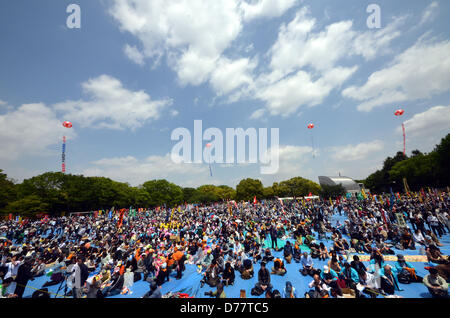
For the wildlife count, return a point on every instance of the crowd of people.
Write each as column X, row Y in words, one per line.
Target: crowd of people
column 103, row 256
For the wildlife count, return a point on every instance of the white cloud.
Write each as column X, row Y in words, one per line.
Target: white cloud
column 134, row 54
column 136, row 171
column 425, row 130
column 229, row 75
column 112, row 106
column 430, row 122
column 429, row 13
column 30, row 130
column 287, row 95
column 292, row 162
column 194, row 33
column 290, row 84
column 357, row 152
column 370, row 43
column 257, row 114
column 266, row 8
column 418, row 73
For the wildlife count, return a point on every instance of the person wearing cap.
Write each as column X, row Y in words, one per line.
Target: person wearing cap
column 406, row 271
column 330, row 278
column 437, row 286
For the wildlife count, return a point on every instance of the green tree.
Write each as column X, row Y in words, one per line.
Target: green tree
column 8, row 191
column 163, row 192
column 28, row 206
column 247, row 189
column 332, row 191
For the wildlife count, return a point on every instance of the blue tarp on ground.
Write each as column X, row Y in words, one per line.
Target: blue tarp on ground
column 190, row 283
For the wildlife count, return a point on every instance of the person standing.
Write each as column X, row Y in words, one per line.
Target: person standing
column 23, row 276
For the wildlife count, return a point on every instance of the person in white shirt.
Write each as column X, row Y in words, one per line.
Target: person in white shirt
column 367, row 283
column 12, row 268
column 318, row 288
column 418, row 237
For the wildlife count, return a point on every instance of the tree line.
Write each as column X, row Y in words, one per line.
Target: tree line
column 420, row 170
column 55, row 192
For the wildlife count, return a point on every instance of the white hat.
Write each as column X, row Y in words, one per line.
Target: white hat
column 326, row 269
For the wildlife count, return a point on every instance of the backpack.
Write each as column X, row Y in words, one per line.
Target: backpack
column 404, row 278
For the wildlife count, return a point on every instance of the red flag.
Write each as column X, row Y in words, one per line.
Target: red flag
column 122, row 212
column 254, row 200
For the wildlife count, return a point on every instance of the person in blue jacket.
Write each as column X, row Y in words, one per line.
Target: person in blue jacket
column 351, row 277
column 406, row 271
column 389, row 281
column 330, row 278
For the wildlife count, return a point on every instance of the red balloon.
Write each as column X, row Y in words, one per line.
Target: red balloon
column 67, row 124
column 399, row 112
column 310, row 126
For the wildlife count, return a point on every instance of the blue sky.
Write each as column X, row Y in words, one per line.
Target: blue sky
column 137, row 70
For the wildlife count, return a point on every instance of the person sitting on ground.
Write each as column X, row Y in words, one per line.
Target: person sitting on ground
column 263, row 283
column 318, row 289
column 432, row 238
column 257, row 253
column 211, row 276
column 268, row 257
column 278, row 268
column 307, row 264
column 287, row 252
column 116, row 285
column 367, row 283
column 419, row 238
column 289, row 291
column 407, row 241
column 437, row 286
column 154, row 292
column 219, row 293
column 333, row 263
column 351, row 277
column 389, row 282
column 357, row 264
column 434, row 255
column 323, row 252
column 247, row 270
column 330, row 277
column 338, row 246
column 228, row 275
column 39, row 269
column 406, row 272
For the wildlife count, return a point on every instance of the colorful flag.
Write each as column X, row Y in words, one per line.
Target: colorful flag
column 363, row 194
